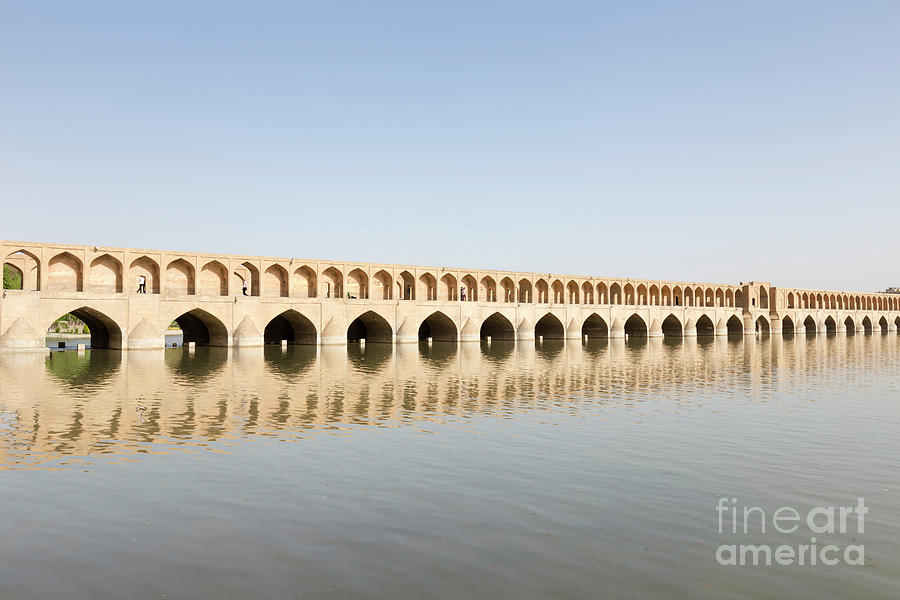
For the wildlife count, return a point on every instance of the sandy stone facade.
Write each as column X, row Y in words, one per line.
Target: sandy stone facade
column 230, row 300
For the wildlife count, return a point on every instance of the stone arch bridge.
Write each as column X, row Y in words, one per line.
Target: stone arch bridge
column 230, row 300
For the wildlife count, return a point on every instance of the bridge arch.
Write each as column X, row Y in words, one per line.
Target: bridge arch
column 439, row 327
column 468, row 289
column 602, row 293
column 762, row 326
column 29, row 266
column 304, row 282
column 587, row 293
column 830, row 325
column 213, row 279
column 883, row 324
column 672, row 327
column 372, row 327
column 382, row 288
column 635, row 327
column 787, row 326
column 557, row 290
column 292, row 326
column 202, row 328
column 180, row 278
column 543, row 291
column 65, row 273
column 357, row 284
column 705, row 326
column 811, row 326
column 549, row 327
column 867, row 324
column 275, row 281
column 490, row 289
column 149, row 269
column 594, row 327
column 735, row 326
column 850, row 325
column 105, row 275
column 13, row 277
column 427, row 287
column 332, row 283
column 573, row 292
column 497, row 327
column 406, row 285
column 104, row 330
column 509, row 289
column 525, row 288
column 450, row 287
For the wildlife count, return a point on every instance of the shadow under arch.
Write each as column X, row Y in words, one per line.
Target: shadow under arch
column 735, row 326
column 867, row 325
column 811, row 326
column 202, row 328
column 635, row 327
column 850, row 326
column 830, row 326
column 291, row 326
column 498, row 327
column 549, row 327
column 762, row 326
column 195, row 368
column 672, row 327
column 439, row 327
column 84, row 372
column 787, row 327
column 105, row 333
column 705, row 326
column 372, row 327
column 594, row 327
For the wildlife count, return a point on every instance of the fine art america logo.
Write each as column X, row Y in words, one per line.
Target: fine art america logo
column 747, row 522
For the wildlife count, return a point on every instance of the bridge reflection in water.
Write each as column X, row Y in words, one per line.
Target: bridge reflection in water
column 104, row 403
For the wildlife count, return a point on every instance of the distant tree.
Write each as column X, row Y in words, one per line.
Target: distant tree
column 12, row 279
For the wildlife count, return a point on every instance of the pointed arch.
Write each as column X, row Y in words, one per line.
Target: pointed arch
column 468, row 289
column 830, row 325
column 867, row 325
column 790, row 300
column 735, row 326
column 573, row 292
column 304, row 282
column 149, row 269
column 275, row 282
column 630, row 298
column 357, row 287
column 180, row 278
column 672, row 327
column 290, row 326
column 602, row 293
column 202, row 328
column 508, row 290
column 104, row 331
column 382, row 288
column 489, row 287
column 666, row 295
column 65, row 273
column 677, row 296
column 29, row 266
column 615, row 293
column 525, row 291
column 407, row 285
column 787, row 326
column 883, row 324
column 497, row 327
column 372, row 327
column 557, row 290
column 762, row 326
column 635, row 327
column 213, row 279
column 587, row 293
column 439, row 327
column 332, row 283
column 105, row 275
column 811, row 326
column 849, row 325
column 543, row 291
column 641, row 295
column 594, row 327
column 654, row 295
column 710, row 296
column 549, row 327
column 705, row 326
column 247, row 273
column 427, row 288
column 450, row 288
column 720, row 297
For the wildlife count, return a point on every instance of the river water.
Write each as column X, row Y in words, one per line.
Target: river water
column 560, row 470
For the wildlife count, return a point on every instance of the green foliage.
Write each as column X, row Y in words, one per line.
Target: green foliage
column 12, row 279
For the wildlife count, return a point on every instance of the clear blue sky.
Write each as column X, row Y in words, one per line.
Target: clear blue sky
column 698, row 140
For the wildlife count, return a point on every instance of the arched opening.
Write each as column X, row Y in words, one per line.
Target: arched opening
column 104, row 332
column 735, row 326
column 594, row 327
column 882, row 322
column 867, row 325
column 705, row 326
column 762, row 326
column 573, row 292
column 635, row 327
column 497, row 327
column 332, row 283
column 490, row 289
column 525, row 291
column 672, row 327
column 106, row 275
column 291, row 326
column 558, row 292
column 275, row 282
column 587, row 292
column 427, row 287
column 357, row 285
column 763, row 297
column 180, row 278
column 439, row 327
column 830, row 326
column 787, row 326
column 468, row 290
column 202, row 328
column 509, row 289
column 246, row 279
column 381, row 285
column 897, row 324
column 213, row 279
column 13, row 278
column 149, row 270
column 654, row 295
column 629, row 294
column 811, row 326
column 549, row 327
column 790, row 300
column 407, row 286
column 65, row 274
column 543, row 291
column 28, row 269
column 666, row 295
column 739, row 298
column 449, row 288
column 602, row 293
column 372, row 327
column 304, row 282
column 850, row 326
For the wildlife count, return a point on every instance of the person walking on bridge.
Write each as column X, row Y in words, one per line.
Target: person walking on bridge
column 244, row 287
column 142, row 285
